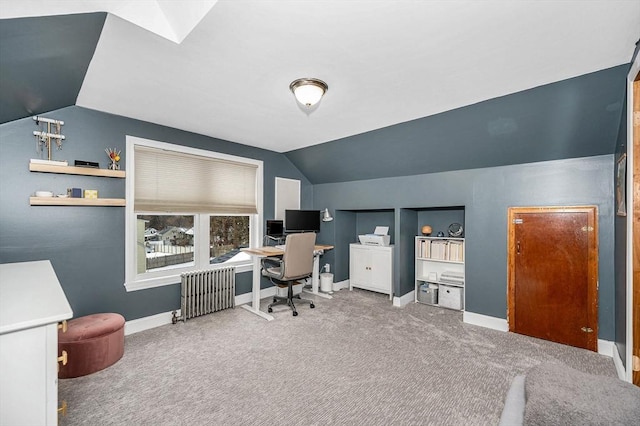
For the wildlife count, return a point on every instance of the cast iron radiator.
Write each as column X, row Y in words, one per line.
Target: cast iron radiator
column 203, row 292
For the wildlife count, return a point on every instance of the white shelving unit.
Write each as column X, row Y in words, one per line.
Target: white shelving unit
column 440, row 265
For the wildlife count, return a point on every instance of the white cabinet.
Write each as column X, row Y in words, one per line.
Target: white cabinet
column 31, row 305
column 440, row 271
column 371, row 268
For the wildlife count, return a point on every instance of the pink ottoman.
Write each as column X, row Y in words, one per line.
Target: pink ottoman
column 93, row 343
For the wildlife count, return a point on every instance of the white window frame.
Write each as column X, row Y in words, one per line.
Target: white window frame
column 171, row 275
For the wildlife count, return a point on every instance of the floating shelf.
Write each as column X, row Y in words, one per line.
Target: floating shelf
column 73, row 170
column 58, row 201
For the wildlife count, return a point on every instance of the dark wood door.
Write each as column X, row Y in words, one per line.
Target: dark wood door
column 553, row 274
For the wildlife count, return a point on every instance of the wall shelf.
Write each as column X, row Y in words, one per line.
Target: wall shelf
column 73, row 170
column 58, row 201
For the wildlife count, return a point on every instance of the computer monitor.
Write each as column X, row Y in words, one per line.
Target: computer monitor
column 275, row 228
column 302, row 221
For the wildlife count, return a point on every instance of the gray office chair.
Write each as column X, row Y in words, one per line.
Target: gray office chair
column 296, row 264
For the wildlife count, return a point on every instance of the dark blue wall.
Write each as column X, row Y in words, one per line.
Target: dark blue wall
column 573, row 118
column 86, row 244
column 485, row 194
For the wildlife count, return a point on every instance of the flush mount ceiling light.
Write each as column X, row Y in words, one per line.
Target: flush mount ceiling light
column 308, row 91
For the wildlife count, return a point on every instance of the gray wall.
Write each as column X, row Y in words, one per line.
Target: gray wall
column 86, row 244
column 485, row 195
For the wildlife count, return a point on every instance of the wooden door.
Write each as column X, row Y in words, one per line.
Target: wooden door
column 553, row 274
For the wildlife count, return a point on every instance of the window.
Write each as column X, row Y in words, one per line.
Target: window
column 187, row 209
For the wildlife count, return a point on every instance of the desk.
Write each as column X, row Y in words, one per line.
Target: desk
column 260, row 252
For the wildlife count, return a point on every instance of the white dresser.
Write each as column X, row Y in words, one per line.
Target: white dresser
column 31, row 305
column 371, row 268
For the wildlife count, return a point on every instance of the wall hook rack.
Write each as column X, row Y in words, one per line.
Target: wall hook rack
column 44, row 136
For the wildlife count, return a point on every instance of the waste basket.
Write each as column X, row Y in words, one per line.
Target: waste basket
column 326, row 282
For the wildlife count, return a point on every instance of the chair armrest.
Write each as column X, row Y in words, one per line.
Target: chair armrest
column 272, row 262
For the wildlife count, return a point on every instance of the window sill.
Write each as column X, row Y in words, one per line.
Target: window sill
column 143, row 284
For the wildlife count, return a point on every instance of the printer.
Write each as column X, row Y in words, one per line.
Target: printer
column 379, row 237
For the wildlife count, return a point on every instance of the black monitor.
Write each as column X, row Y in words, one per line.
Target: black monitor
column 302, row 220
column 275, row 228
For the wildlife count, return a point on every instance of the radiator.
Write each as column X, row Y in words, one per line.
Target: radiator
column 203, row 292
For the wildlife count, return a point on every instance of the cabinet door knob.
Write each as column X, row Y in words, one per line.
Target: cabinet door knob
column 63, row 408
column 63, row 358
column 63, row 326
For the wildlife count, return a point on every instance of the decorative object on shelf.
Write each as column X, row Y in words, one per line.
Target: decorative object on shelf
column 426, row 230
column 83, row 163
column 440, row 234
column 44, row 194
column 455, row 230
column 46, row 133
column 308, row 91
column 114, row 156
column 74, row 192
column 326, row 216
column 90, row 193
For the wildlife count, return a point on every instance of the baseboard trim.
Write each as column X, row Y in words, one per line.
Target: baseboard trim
column 404, row 300
column 617, row 361
column 341, row 285
column 486, row 321
column 164, row 318
column 147, row 323
column 248, row 297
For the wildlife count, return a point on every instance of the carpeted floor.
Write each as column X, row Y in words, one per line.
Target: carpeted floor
column 354, row 359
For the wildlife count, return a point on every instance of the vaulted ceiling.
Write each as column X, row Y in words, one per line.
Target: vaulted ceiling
column 223, row 68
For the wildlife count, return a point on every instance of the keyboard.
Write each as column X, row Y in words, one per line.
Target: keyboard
column 280, row 246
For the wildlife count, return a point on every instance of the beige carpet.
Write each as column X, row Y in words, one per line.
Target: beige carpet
column 354, row 359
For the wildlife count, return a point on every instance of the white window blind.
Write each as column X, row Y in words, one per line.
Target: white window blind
column 169, row 181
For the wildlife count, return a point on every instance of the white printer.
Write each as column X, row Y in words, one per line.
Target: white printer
column 379, row 237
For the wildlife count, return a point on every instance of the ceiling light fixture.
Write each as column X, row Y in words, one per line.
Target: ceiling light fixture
column 308, row 91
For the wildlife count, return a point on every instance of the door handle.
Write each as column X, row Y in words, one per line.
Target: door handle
column 518, row 247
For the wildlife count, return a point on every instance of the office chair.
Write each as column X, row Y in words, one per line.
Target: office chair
column 296, row 263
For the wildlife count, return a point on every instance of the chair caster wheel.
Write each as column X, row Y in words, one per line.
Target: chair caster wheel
column 295, row 314
column 312, row 305
column 269, row 310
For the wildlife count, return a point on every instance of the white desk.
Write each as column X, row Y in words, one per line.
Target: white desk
column 260, row 252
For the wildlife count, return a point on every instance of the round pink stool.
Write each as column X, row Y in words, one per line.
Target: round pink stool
column 93, row 342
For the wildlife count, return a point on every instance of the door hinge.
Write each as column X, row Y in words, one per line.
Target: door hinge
column 587, row 329
column 635, row 364
column 587, row 229
column 518, row 221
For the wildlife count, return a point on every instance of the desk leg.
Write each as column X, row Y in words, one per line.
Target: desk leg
column 255, row 292
column 315, row 279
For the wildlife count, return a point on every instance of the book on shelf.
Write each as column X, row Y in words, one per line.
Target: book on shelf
column 451, row 250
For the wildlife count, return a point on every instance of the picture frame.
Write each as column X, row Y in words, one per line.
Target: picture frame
column 621, row 185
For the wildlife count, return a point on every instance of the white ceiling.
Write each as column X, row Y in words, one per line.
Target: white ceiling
column 223, row 68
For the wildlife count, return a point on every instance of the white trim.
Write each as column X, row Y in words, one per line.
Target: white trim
column 248, row 297
column 147, row 323
column 486, row 321
column 404, row 300
column 617, row 361
column 164, row 318
column 340, row 285
column 633, row 72
column 133, row 280
column 606, row 347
